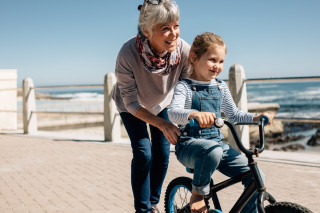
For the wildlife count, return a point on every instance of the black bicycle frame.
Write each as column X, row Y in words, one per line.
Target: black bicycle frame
column 257, row 183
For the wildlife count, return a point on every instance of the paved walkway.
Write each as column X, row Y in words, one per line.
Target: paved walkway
column 71, row 176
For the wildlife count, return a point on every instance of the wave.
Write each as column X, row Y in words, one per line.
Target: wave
column 261, row 86
column 85, row 96
column 311, row 91
column 262, row 98
column 306, row 114
column 283, row 95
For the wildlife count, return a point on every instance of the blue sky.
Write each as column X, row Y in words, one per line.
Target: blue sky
column 59, row 42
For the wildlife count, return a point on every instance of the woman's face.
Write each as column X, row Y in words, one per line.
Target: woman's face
column 164, row 36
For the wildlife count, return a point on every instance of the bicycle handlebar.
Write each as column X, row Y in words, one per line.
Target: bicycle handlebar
column 219, row 122
column 266, row 120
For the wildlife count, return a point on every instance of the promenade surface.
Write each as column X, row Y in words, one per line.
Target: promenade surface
column 43, row 174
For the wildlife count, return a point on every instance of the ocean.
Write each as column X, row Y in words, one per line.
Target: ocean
column 72, row 100
column 296, row 99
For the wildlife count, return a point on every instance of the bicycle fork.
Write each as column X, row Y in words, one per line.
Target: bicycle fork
column 259, row 185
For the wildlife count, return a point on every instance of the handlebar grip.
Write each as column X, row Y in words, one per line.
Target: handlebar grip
column 193, row 122
column 266, row 120
column 218, row 122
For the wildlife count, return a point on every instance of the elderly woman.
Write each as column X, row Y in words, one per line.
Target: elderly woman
column 147, row 68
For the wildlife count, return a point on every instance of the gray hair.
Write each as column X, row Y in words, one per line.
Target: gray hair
column 164, row 12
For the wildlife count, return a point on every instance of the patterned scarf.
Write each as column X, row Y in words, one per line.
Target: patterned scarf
column 160, row 64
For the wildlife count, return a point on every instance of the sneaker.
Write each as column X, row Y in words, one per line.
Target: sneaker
column 155, row 209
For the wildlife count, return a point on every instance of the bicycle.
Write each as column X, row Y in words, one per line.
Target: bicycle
column 178, row 191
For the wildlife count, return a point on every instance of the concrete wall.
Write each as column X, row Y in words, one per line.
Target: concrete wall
column 8, row 99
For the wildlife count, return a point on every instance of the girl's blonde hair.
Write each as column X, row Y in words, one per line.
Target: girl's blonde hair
column 203, row 41
column 152, row 14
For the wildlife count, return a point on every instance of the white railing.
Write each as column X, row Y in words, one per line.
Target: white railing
column 112, row 130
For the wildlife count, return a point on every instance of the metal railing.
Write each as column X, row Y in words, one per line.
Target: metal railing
column 305, row 78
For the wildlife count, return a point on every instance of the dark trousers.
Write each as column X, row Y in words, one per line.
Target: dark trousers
column 150, row 160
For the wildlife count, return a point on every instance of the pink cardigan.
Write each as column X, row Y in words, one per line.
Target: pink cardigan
column 138, row 87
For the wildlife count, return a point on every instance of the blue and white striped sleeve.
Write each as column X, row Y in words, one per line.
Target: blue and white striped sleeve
column 180, row 106
column 230, row 109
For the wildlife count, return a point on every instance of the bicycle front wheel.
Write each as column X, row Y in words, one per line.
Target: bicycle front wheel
column 178, row 195
column 286, row 207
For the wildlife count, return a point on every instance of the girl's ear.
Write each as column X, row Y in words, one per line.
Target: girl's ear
column 193, row 57
column 145, row 32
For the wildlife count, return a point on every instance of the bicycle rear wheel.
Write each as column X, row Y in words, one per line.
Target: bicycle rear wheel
column 178, row 195
column 286, row 207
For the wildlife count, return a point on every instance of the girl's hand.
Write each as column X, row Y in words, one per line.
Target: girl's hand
column 170, row 131
column 205, row 119
column 257, row 117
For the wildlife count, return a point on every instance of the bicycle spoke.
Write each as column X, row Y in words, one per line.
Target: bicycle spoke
column 182, row 198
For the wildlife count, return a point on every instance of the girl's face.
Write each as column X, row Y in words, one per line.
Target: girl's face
column 164, row 36
column 209, row 65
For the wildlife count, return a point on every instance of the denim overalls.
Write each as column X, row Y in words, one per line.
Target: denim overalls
column 202, row 149
column 205, row 99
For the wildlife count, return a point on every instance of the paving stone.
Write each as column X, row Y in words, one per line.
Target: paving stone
column 48, row 175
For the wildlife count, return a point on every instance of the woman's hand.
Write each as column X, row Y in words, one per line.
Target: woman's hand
column 257, row 117
column 170, row 131
column 205, row 119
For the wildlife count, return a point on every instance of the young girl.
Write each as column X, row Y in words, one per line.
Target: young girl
column 203, row 97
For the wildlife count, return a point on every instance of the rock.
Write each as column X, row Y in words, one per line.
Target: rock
column 281, row 139
column 263, row 107
column 315, row 139
column 290, row 127
column 292, row 147
column 273, row 130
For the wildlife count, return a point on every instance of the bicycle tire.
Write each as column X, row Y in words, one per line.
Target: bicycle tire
column 178, row 195
column 286, row 207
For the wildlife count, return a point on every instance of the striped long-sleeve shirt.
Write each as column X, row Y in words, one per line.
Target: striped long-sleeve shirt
column 180, row 106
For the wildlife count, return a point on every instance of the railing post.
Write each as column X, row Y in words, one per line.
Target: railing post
column 29, row 105
column 112, row 130
column 238, row 91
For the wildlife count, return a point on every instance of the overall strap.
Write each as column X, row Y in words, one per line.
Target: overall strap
column 187, row 80
column 219, row 82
